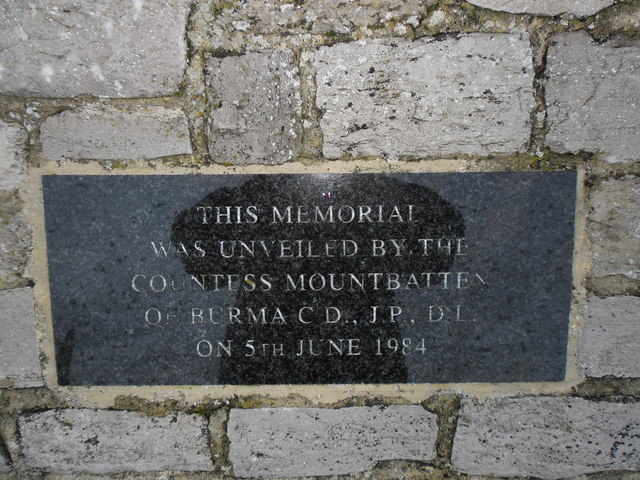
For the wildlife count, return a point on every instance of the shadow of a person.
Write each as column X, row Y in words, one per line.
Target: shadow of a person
column 316, row 273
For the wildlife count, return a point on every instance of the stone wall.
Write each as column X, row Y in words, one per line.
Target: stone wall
column 195, row 86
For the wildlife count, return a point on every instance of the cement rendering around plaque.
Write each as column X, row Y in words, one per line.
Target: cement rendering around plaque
column 310, row 279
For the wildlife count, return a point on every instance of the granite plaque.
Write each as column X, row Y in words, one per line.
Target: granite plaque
column 310, row 279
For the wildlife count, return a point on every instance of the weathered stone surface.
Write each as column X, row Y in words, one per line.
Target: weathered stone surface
column 614, row 228
column 257, row 104
column 15, row 240
column 328, row 16
column 610, row 337
column 470, row 94
column 593, row 94
column 155, row 476
column 623, row 18
column 284, row 442
column 102, row 133
column 580, row 8
column 5, row 464
column 19, row 363
column 546, row 437
column 116, row 48
column 101, row 441
column 12, row 155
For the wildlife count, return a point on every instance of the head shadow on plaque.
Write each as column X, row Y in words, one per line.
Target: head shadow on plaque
column 312, row 262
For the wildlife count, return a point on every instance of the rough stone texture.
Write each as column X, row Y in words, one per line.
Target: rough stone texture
column 19, row 363
column 101, row 441
column 471, row 94
column 546, row 437
column 580, row 8
column 15, row 240
column 12, row 155
column 154, row 476
column 282, row 442
column 614, row 228
column 623, row 18
column 593, row 96
column 610, row 337
column 116, row 48
column 5, row 464
column 256, row 102
column 102, row 133
column 329, row 16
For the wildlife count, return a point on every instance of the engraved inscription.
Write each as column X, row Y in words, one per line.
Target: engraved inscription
column 280, row 279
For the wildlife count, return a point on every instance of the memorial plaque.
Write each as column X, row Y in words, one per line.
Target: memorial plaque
column 310, row 279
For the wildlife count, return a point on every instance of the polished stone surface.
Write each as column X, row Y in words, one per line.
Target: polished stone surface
column 300, row 279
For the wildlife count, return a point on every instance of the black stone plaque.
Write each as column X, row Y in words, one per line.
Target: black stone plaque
column 310, row 279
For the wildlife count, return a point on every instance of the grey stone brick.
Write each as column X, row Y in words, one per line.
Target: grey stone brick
column 546, row 437
column 256, row 102
column 610, row 337
column 15, row 240
column 12, row 155
column 114, row 48
column 593, row 97
column 285, row 442
column 19, row 354
column 337, row 16
column 580, row 8
column 472, row 94
column 101, row 133
column 614, row 226
column 101, row 441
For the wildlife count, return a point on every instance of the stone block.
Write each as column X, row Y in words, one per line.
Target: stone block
column 12, row 155
column 464, row 95
column 610, row 337
column 614, row 228
column 328, row 16
column 15, row 240
column 102, row 441
column 546, row 437
column 115, row 48
column 103, row 133
column 19, row 354
column 285, row 442
column 579, row 8
column 593, row 95
column 256, row 102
